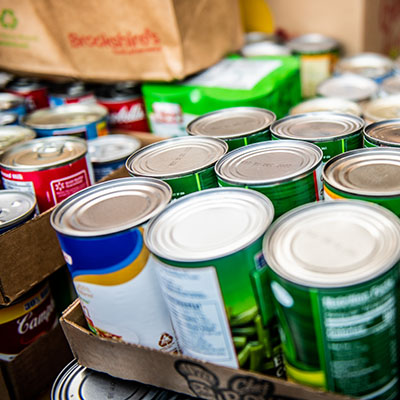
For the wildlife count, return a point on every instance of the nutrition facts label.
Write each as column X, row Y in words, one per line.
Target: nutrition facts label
column 198, row 314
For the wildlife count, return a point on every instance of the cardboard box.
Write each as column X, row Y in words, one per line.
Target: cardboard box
column 35, row 368
column 175, row 372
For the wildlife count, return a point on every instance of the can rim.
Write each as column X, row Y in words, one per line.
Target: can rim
column 22, row 217
column 351, row 105
column 381, row 142
column 313, row 43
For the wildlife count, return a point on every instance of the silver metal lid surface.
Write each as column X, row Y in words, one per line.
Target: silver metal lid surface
column 14, row 206
column 368, row 172
column 369, row 65
column 391, row 85
column 175, row 157
column 43, row 153
column 386, row 132
column 264, row 48
column 348, row 86
column 333, row 244
column 312, row 43
column 317, row 127
column 209, row 224
column 269, row 162
column 230, row 123
column 332, row 104
column 65, row 116
column 112, row 148
column 111, row 207
column 381, row 109
column 8, row 118
column 11, row 134
column 9, row 101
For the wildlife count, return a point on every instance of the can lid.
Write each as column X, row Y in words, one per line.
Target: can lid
column 387, row 132
column 65, row 116
column 9, row 101
column 384, row 108
column 10, row 134
column 269, row 162
column 317, row 127
column 68, row 89
column 333, row 244
column 369, row 65
column 391, row 85
column 111, row 207
column 14, row 206
column 8, row 118
column 175, row 157
column 232, row 122
column 43, row 153
column 24, row 84
column 348, row 86
column 264, row 48
column 112, row 148
column 313, row 43
column 333, row 104
column 209, row 224
column 368, row 172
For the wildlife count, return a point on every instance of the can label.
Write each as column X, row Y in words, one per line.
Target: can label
column 51, row 186
column 21, row 324
column 56, row 101
column 103, row 169
column 20, row 110
column 35, row 99
column 235, row 143
column 368, row 143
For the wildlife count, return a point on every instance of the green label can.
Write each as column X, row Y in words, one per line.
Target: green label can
column 334, row 275
column 185, row 163
column 288, row 172
column 383, row 133
column 334, row 133
column 370, row 174
column 207, row 250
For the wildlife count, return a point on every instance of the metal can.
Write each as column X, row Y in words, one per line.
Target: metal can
column 288, row 172
column 212, row 273
column 34, row 92
column 12, row 134
column 185, row 163
column 318, row 54
column 11, row 103
column 25, row 320
column 391, row 86
column 370, row 65
column 49, row 168
column 237, row 126
column 87, row 121
column 15, row 209
column 382, row 109
column 334, row 133
column 350, row 87
column 109, row 153
column 383, row 133
column 264, row 48
column 365, row 174
column 333, row 104
column 334, row 274
column 100, row 233
column 8, row 119
column 70, row 93
column 124, row 102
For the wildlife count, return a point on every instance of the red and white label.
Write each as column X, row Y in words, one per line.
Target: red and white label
column 35, row 99
column 64, row 187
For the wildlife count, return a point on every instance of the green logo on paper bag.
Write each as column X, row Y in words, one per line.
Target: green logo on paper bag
column 8, row 19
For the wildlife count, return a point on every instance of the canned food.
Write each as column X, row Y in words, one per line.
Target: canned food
column 391, row 86
column 334, row 133
column 11, row 103
column 212, row 273
column 34, row 92
column 318, row 55
column 288, row 172
column 49, row 168
column 5, row 77
column 70, row 93
column 8, row 119
column 25, row 320
column 257, row 36
column 382, row 109
column 264, row 48
column 333, row 104
column 350, row 87
column 365, row 174
column 10, row 135
column 383, row 133
column 124, row 102
column 100, row 233
column 185, row 163
column 108, row 153
column 237, row 126
column 369, row 65
column 87, row 121
column 333, row 271
column 15, row 209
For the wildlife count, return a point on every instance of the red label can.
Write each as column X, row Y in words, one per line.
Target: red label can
column 33, row 91
column 51, row 168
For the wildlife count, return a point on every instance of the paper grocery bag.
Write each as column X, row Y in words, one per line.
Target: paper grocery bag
column 111, row 40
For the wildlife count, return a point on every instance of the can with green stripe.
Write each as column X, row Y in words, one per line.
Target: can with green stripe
column 370, row 174
column 334, row 275
column 333, row 132
column 288, row 172
column 237, row 126
column 383, row 133
column 185, row 163
column 208, row 254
